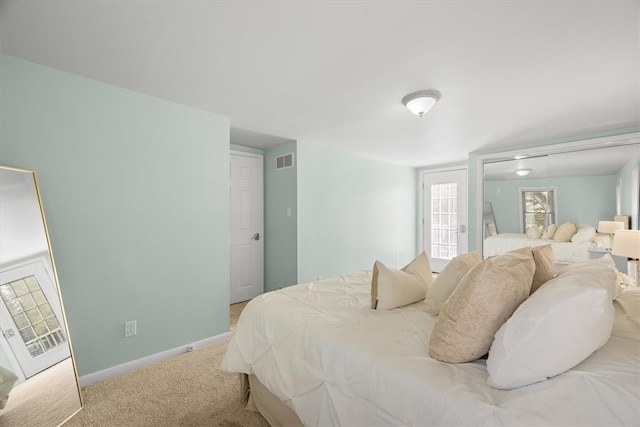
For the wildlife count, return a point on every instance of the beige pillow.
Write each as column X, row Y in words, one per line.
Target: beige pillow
column 484, row 299
column 545, row 266
column 533, row 232
column 392, row 288
column 446, row 282
column 565, row 232
column 549, row 232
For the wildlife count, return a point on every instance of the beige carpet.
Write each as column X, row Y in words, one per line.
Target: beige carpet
column 185, row 390
column 46, row 399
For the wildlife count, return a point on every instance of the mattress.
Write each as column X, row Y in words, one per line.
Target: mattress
column 563, row 252
column 321, row 350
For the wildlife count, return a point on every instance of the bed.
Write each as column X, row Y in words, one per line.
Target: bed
column 316, row 354
column 564, row 252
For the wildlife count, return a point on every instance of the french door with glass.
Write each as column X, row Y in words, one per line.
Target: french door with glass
column 444, row 215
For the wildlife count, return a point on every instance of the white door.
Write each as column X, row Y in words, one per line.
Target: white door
column 31, row 317
column 444, row 215
column 247, row 247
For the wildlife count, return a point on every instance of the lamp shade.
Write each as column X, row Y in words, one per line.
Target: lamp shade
column 420, row 102
column 627, row 244
column 610, row 227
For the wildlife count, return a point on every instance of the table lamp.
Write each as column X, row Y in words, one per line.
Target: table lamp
column 609, row 228
column 627, row 244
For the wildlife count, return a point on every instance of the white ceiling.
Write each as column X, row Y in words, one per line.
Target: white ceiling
column 333, row 73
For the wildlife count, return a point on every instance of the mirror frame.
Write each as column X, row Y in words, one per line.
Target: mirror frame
column 630, row 138
column 56, row 283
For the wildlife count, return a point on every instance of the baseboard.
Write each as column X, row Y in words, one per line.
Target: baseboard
column 148, row 360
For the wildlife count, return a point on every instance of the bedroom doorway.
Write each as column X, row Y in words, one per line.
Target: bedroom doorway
column 247, row 247
column 444, row 215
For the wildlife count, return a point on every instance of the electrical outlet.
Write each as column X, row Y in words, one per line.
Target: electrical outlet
column 130, row 328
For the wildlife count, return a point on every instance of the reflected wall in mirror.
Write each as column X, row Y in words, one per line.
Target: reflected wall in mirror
column 38, row 378
column 582, row 182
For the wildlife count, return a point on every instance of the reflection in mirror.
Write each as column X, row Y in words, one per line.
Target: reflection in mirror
column 489, row 220
column 583, row 185
column 38, row 378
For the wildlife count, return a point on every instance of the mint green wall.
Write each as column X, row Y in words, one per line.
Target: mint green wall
column 351, row 212
column 625, row 175
column 136, row 194
column 280, row 230
column 583, row 200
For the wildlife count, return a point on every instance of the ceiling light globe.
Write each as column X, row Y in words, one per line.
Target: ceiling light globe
column 523, row 172
column 419, row 103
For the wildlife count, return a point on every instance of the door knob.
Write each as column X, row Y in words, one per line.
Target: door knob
column 255, row 236
column 463, row 228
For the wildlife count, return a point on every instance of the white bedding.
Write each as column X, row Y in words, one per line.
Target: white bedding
column 563, row 252
column 321, row 350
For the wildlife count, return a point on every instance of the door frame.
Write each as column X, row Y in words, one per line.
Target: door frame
column 262, row 245
column 421, row 213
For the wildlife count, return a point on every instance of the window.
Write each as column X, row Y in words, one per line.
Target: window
column 444, row 220
column 537, row 208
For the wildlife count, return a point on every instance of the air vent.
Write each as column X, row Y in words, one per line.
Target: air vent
column 284, row 161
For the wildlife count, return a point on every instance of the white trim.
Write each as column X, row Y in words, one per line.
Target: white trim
column 635, row 198
column 246, row 154
column 148, row 360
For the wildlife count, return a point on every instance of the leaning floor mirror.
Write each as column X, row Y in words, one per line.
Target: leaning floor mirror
column 38, row 377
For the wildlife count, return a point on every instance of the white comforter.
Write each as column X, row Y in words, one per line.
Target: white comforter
column 322, row 351
column 563, row 252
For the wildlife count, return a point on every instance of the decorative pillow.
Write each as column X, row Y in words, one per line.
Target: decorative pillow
column 549, row 232
column 392, row 288
column 560, row 325
column 584, row 233
column 446, row 282
column 565, row 232
column 484, row 299
column 545, row 266
column 533, row 232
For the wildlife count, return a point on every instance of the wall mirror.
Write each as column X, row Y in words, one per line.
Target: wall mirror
column 584, row 182
column 38, row 377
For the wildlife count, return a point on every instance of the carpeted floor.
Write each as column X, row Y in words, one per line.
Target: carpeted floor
column 54, row 389
column 185, row 390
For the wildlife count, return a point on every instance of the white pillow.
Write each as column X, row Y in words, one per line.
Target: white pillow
column 556, row 328
column 584, row 234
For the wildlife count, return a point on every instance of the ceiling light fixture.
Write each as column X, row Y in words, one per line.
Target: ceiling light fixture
column 523, row 172
column 420, row 102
